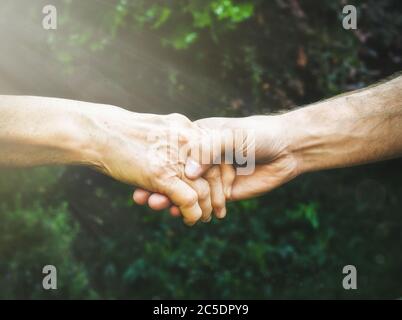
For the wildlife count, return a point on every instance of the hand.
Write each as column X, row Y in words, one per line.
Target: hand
column 140, row 149
column 276, row 164
column 216, row 176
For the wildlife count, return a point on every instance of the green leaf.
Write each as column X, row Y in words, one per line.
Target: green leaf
column 182, row 41
column 163, row 17
column 226, row 9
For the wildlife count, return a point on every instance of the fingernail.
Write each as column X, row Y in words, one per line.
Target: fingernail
column 207, row 220
column 193, row 169
column 221, row 213
column 189, row 223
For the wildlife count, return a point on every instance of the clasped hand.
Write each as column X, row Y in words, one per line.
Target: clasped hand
column 174, row 163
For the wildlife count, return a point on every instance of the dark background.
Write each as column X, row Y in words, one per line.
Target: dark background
column 201, row 58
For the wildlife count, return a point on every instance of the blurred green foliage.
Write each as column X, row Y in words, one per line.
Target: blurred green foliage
column 208, row 58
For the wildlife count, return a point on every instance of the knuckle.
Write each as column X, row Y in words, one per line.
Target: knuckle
column 157, row 172
column 179, row 117
column 204, row 192
column 218, row 203
column 183, row 137
column 213, row 173
column 190, row 200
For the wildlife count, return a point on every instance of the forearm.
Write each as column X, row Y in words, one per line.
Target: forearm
column 121, row 144
column 39, row 131
column 356, row 128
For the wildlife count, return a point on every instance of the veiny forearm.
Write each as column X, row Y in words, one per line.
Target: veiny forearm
column 39, row 131
column 359, row 127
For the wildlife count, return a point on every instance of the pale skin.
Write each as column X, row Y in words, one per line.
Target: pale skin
column 352, row 129
column 47, row 131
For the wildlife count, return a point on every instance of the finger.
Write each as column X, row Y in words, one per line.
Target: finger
column 263, row 180
column 185, row 197
column 201, row 186
column 204, row 152
column 213, row 176
column 174, row 211
column 216, row 146
column 193, row 169
column 246, row 187
column 228, row 173
column 158, row 201
column 141, row 196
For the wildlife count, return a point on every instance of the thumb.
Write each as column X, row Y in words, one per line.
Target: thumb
column 203, row 154
column 194, row 169
column 209, row 148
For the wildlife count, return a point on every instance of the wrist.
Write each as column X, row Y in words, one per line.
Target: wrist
column 109, row 130
column 311, row 133
column 293, row 139
column 82, row 135
column 280, row 141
